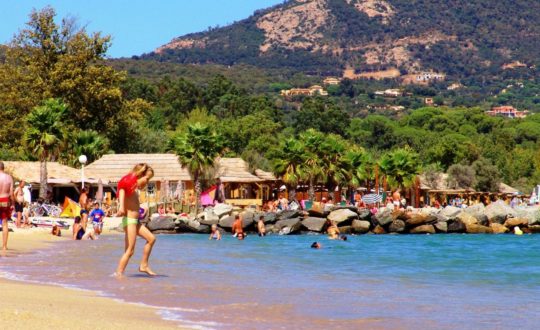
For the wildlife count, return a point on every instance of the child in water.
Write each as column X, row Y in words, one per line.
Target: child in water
column 129, row 206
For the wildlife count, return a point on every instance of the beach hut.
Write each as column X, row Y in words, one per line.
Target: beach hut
column 167, row 168
column 242, row 188
column 63, row 180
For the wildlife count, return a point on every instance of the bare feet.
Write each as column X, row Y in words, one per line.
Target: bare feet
column 147, row 270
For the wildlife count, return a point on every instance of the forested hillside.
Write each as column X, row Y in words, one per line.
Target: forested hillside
column 480, row 38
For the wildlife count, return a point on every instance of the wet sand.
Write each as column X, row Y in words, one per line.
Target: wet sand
column 33, row 306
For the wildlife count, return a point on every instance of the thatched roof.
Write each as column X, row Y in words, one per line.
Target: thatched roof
column 506, row 189
column 440, row 184
column 113, row 167
column 266, row 176
column 235, row 170
column 56, row 173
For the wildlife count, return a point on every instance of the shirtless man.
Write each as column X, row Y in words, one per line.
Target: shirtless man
column 6, row 200
column 237, row 229
column 396, row 197
column 83, row 202
column 260, row 226
column 18, row 196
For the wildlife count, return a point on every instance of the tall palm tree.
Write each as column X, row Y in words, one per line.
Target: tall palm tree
column 46, row 135
column 313, row 167
column 334, row 163
column 197, row 150
column 400, row 167
column 289, row 164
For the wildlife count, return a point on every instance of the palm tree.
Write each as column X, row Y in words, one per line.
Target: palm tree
column 335, row 167
column 89, row 143
column 400, row 167
column 313, row 166
column 289, row 164
column 197, row 150
column 46, row 135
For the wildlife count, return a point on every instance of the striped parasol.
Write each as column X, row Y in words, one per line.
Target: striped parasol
column 372, row 198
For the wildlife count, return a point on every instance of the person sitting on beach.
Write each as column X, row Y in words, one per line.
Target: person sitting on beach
column 169, row 209
column 283, row 203
column 215, row 233
column 237, row 226
column 261, row 229
column 128, row 207
column 56, row 231
column 333, row 231
column 161, row 209
column 97, row 216
column 79, row 233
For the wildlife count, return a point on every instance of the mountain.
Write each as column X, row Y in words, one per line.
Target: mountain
column 375, row 38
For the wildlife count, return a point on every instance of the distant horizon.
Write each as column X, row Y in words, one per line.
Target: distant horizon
column 136, row 27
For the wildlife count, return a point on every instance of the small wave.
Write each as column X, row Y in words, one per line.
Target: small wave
column 170, row 315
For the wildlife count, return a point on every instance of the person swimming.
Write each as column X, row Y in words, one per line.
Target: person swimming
column 316, row 245
column 215, row 234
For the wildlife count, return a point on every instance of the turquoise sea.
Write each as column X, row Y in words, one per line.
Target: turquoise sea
column 279, row 282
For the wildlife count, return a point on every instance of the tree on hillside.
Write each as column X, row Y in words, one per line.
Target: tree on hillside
column 322, row 115
column 488, row 177
column 46, row 135
column 47, row 60
column 197, row 150
column 313, row 157
column 461, row 176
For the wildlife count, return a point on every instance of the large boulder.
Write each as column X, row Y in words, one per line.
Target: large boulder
column 379, row 230
column 196, row 227
column 314, row 224
column 423, row 229
column 512, row 222
column 441, row 226
column 209, row 218
column 294, row 225
column 498, row 212
column 384, row 217
column 475, row 209
column 270, row 217
column 347, row 207
column 531, row 213
column 288, row 214
column 364, row 214
column 478, row 229
column 222, row 209
column 497, row 228
column 227, row 222
column 534, row 228
column 342, row 215
column 421, row 218
column 397, row 226
column 345, row 230
column 467, row 218
column 455, row 226
column 165, row 222
column 450, row 211
column 360, row 226
column 482, row 219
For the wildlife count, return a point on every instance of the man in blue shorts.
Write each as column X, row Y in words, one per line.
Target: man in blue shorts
column 97, row 216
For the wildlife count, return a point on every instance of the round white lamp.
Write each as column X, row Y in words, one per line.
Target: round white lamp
column 82, row 160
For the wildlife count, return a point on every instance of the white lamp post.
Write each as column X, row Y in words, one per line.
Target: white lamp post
column 82, row 160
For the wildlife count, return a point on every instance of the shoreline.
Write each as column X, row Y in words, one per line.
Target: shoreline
column 30, row 305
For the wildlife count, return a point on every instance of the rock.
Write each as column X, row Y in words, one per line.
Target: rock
column 288, row 226
column 318, row 213
column 482, row 219
column 455, row 226
column 271, row 229
column 364, row 214
column 222, row 209
column 478, row 229
column 467, row 219
column 397, row 226
column 534, row 228
column 531, row 213
column 450, row 211
column 383, row 218
column 379, row 230
column 314, row 224
column 512, row 222
column 226, row 222
column 350, row 207
column 345, row 230
column 475, row 210
column 289, row 214
column 498, row 212
column 401, row 215
column 420, row 219
column 360, row 226
column 423, row 229
column 209, row 218
column 270, row 217
column 162, row 223
column 441, row 226
column 342, row 215
column 196, row 227
column 497, row 228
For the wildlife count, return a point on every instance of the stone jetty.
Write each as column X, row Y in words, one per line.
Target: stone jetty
column 496, row 218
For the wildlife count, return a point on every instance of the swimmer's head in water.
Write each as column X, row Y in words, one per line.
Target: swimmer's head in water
column 316, row 245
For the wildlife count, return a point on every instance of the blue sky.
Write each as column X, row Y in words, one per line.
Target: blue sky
column 137, row 26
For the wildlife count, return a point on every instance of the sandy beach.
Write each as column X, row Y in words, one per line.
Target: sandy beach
column 33, row 306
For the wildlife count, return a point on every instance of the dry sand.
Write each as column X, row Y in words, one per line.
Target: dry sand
column 31, row 306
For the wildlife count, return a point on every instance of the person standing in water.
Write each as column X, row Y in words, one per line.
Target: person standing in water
column 6, row 200
column 18, row 196
column 129, row 206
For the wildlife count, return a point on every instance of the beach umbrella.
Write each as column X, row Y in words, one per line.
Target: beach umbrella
column 372, row 198
column 99, row 193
